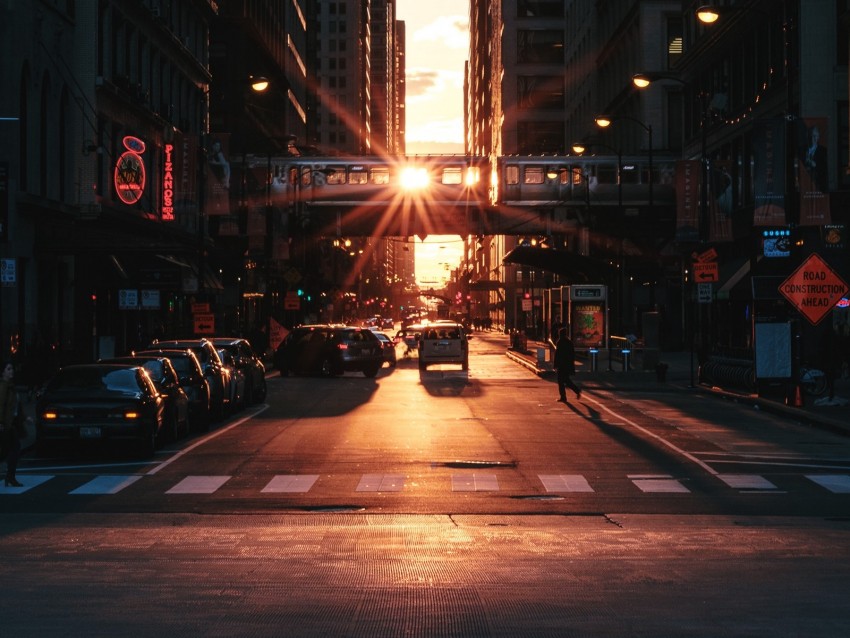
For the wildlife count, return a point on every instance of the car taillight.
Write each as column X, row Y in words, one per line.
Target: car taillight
column 342, row 346
column 49, row 415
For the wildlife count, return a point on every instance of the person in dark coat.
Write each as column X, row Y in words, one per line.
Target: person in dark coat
column 11, row 424
column 565, row 365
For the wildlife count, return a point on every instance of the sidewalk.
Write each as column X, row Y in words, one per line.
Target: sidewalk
column 682, row 374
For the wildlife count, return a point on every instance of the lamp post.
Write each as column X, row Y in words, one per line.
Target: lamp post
column 604, row 121
column 579, row 148
column 642, row 81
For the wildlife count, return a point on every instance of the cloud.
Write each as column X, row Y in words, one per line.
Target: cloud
column 450, row 31
column 446, row 130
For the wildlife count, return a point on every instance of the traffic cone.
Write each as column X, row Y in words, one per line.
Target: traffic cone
column 797, row 399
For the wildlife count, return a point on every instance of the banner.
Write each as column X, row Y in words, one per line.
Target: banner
column 813, row 171
column 217, row 175
column 687, row 200
column 769, row 172
column 720, row 201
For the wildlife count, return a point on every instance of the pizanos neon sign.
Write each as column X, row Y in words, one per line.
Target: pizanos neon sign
column 168, row 184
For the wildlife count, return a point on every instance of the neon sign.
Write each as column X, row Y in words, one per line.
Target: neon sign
column 168, row 184
column 129, row 176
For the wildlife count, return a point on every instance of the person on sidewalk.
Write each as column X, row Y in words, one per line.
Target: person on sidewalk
column 12, row 424
column 565, row 364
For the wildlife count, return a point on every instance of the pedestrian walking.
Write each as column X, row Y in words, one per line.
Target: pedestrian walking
column 565, row 364
column 12, row 428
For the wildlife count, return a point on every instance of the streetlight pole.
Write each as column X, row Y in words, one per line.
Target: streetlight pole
column 604, row 121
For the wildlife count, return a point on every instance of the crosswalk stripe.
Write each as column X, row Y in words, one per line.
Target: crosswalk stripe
column 565, row 483
column 474, row 483
column 198, row 485
column 291, row 483
column 29, row 481
column 747, row 481
column 106, row 484
column 658, row 484
column 835, row 483
column 381, row 483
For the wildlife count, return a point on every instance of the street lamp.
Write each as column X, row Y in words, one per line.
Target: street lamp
column 604, row 121
column 642, row 81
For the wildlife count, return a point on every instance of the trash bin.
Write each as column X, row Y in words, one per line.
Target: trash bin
column 594, row 359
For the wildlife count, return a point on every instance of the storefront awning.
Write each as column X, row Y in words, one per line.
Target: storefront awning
column 572, row 266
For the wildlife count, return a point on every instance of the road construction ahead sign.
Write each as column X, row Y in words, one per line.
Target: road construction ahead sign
column 814, row 288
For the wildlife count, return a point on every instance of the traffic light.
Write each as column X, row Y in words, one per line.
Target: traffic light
column 526, row 295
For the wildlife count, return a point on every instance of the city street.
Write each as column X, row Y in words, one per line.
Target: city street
column 444, row 503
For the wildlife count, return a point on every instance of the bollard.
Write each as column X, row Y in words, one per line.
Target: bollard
column 594, row 359
column 626, row 356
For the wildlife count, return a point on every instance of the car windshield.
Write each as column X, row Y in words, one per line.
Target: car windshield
column 96, row 383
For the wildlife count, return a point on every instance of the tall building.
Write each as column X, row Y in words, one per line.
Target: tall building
column 103, row 107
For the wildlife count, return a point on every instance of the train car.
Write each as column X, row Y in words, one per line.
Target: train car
column 588, row 180
column 439, row 180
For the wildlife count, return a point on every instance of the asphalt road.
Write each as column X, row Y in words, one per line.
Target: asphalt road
column 443, row 504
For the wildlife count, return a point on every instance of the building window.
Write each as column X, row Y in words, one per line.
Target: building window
column 674, row 41
column 540, row 9
column 540, row 92
column 540, row 46
column 534, row 138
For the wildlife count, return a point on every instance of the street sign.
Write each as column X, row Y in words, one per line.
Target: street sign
column 706, row 271
column 8, row 271
column 704, row 293
column 814, row 288
column 128, row 299
column 204, row 324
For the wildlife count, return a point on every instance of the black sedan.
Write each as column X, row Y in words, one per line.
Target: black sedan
column 193, row 382
column 216, row 374
column 246, row 360
column 329, row 350
column 167, row 381
column 101, row 402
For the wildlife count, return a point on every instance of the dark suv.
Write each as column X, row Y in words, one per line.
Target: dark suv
column 246, row 360
column 329, row 350
column 214, row 371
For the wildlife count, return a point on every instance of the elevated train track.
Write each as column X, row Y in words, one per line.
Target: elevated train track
column 459, row 194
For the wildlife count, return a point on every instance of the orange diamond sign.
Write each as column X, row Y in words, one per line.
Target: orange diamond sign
column 814, row 288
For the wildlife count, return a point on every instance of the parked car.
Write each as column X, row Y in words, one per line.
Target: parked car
column 389, row 348
column 443, row 343
column 329, row 350
column 236, row 395
column 409, row 336
column 246, row 359
column 167, row 382
column 214, row 371
column 193, row 382
column 101, row 402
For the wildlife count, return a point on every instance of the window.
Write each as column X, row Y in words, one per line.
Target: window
column 535, row 46
column 381, row 175
column 512, row 174
column 540, row 9
column 540, row 92
column 336, row 176
column 452, row 175
column 534, row 175
column 674, row 41
column 358, row 176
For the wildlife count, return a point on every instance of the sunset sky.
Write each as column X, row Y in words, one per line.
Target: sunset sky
column 437, row 47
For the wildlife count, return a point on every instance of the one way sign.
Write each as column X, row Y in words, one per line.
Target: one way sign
column 705, row 272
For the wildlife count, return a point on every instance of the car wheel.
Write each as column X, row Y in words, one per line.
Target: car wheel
column 260, row 396
column 371, row 371
column 423, row 365
column 327, row 367
column 465, row 365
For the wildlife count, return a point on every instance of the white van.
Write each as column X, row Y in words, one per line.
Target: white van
column 443, row 342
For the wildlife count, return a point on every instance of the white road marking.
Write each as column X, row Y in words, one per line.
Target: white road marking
column 658, row 484
column 565, row 483
column 29, row 481
column 381, row 483
column 198, row 485
column 474, row 483
column 291, row 483
column 835, row 483
column 106, row 484
column 746, row 481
